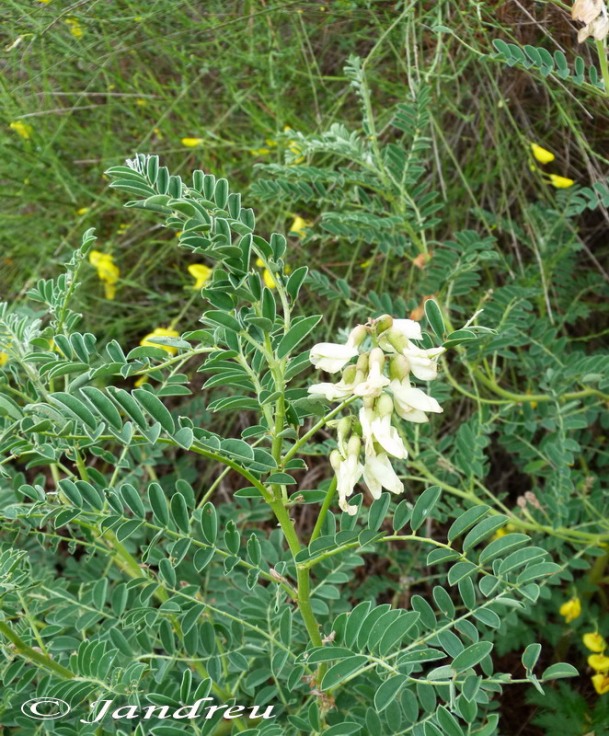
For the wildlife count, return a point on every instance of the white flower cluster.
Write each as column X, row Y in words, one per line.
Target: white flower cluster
column 383, row 396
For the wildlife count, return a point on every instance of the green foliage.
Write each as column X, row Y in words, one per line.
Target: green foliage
column 169, row 529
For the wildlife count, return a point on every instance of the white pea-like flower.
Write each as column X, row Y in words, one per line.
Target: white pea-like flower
column 423, row 363
column 411, row 403
column 379, row 474
column 397, row 336
column 377, row 427
column 331, row 356
column 375, row 381
column 332, row 391
column 348, row 472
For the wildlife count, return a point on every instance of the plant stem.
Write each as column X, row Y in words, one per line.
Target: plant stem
column 302, row 573
column 602, row 59
column 34, row 655
column 324, row 510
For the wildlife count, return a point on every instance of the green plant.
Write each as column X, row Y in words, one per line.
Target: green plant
column 196, row 601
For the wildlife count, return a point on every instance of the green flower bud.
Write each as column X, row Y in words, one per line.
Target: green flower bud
column 385, row 322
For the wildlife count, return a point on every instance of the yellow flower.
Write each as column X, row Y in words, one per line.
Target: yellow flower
column 601, row 683
column 44, row 2
column 599, row 662
column 82, row 211
column 141, row 102
column 506, row 530
column 107, row 271
column 561, row 182
column 267, row 276
column 594, row 642
column 300, row 225
column 23, row 129
column 192, row 142
column 200, row 273
column 160, row 332
column 571, row 609
column 75, row 27
column 542, row 154
column 3, row 359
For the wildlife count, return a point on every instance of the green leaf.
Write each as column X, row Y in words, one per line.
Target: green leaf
column 460, row 571
column 459, row 336
column 558, row 670
column 396, row 631
column 343, row 729
column 297, row 333
column 340, row 672
column 389, row 691
column 420, row 656
column 530, row 656
column 102, row 404
column 281, row 478
column 155, row 407
column 223, row 319
column 484, row 529
column 132, row 499
column 202, row 558
column 328, row 654
column 501, row 546
column 9, row 408
column 424, row 506
column 184, row 437
column 355, row 619
column 465, row 521
column 448, row 722
column 179, row 511
column 158, row 503
column 434, row 317
column 209, row 523
column 472, row 655
column 402, row 515
column 75, row 407
column 532, row 572
column 520, row 557
column 295, row 281
column 378, row 511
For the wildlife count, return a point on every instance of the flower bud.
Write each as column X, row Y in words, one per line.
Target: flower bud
column 335, row 460
column 398, row 367
column 376, row 361
column 343, row 430
column 385, row 322
column 362, row 363
column 357, row 336
column 384, row 405
column 354, row 446
column 349, row 375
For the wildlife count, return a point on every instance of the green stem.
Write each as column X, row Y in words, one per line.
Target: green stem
column 35, row 656
column 602, row 59
column 324, row 510
column 302, row 573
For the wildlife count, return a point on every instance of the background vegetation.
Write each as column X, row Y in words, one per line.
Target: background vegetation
column 246, row 91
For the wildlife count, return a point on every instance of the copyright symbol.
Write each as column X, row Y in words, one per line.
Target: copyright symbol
column 45, row 709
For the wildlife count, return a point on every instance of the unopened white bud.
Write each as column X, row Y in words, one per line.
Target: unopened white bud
column 357, row 336
column 384, row 405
